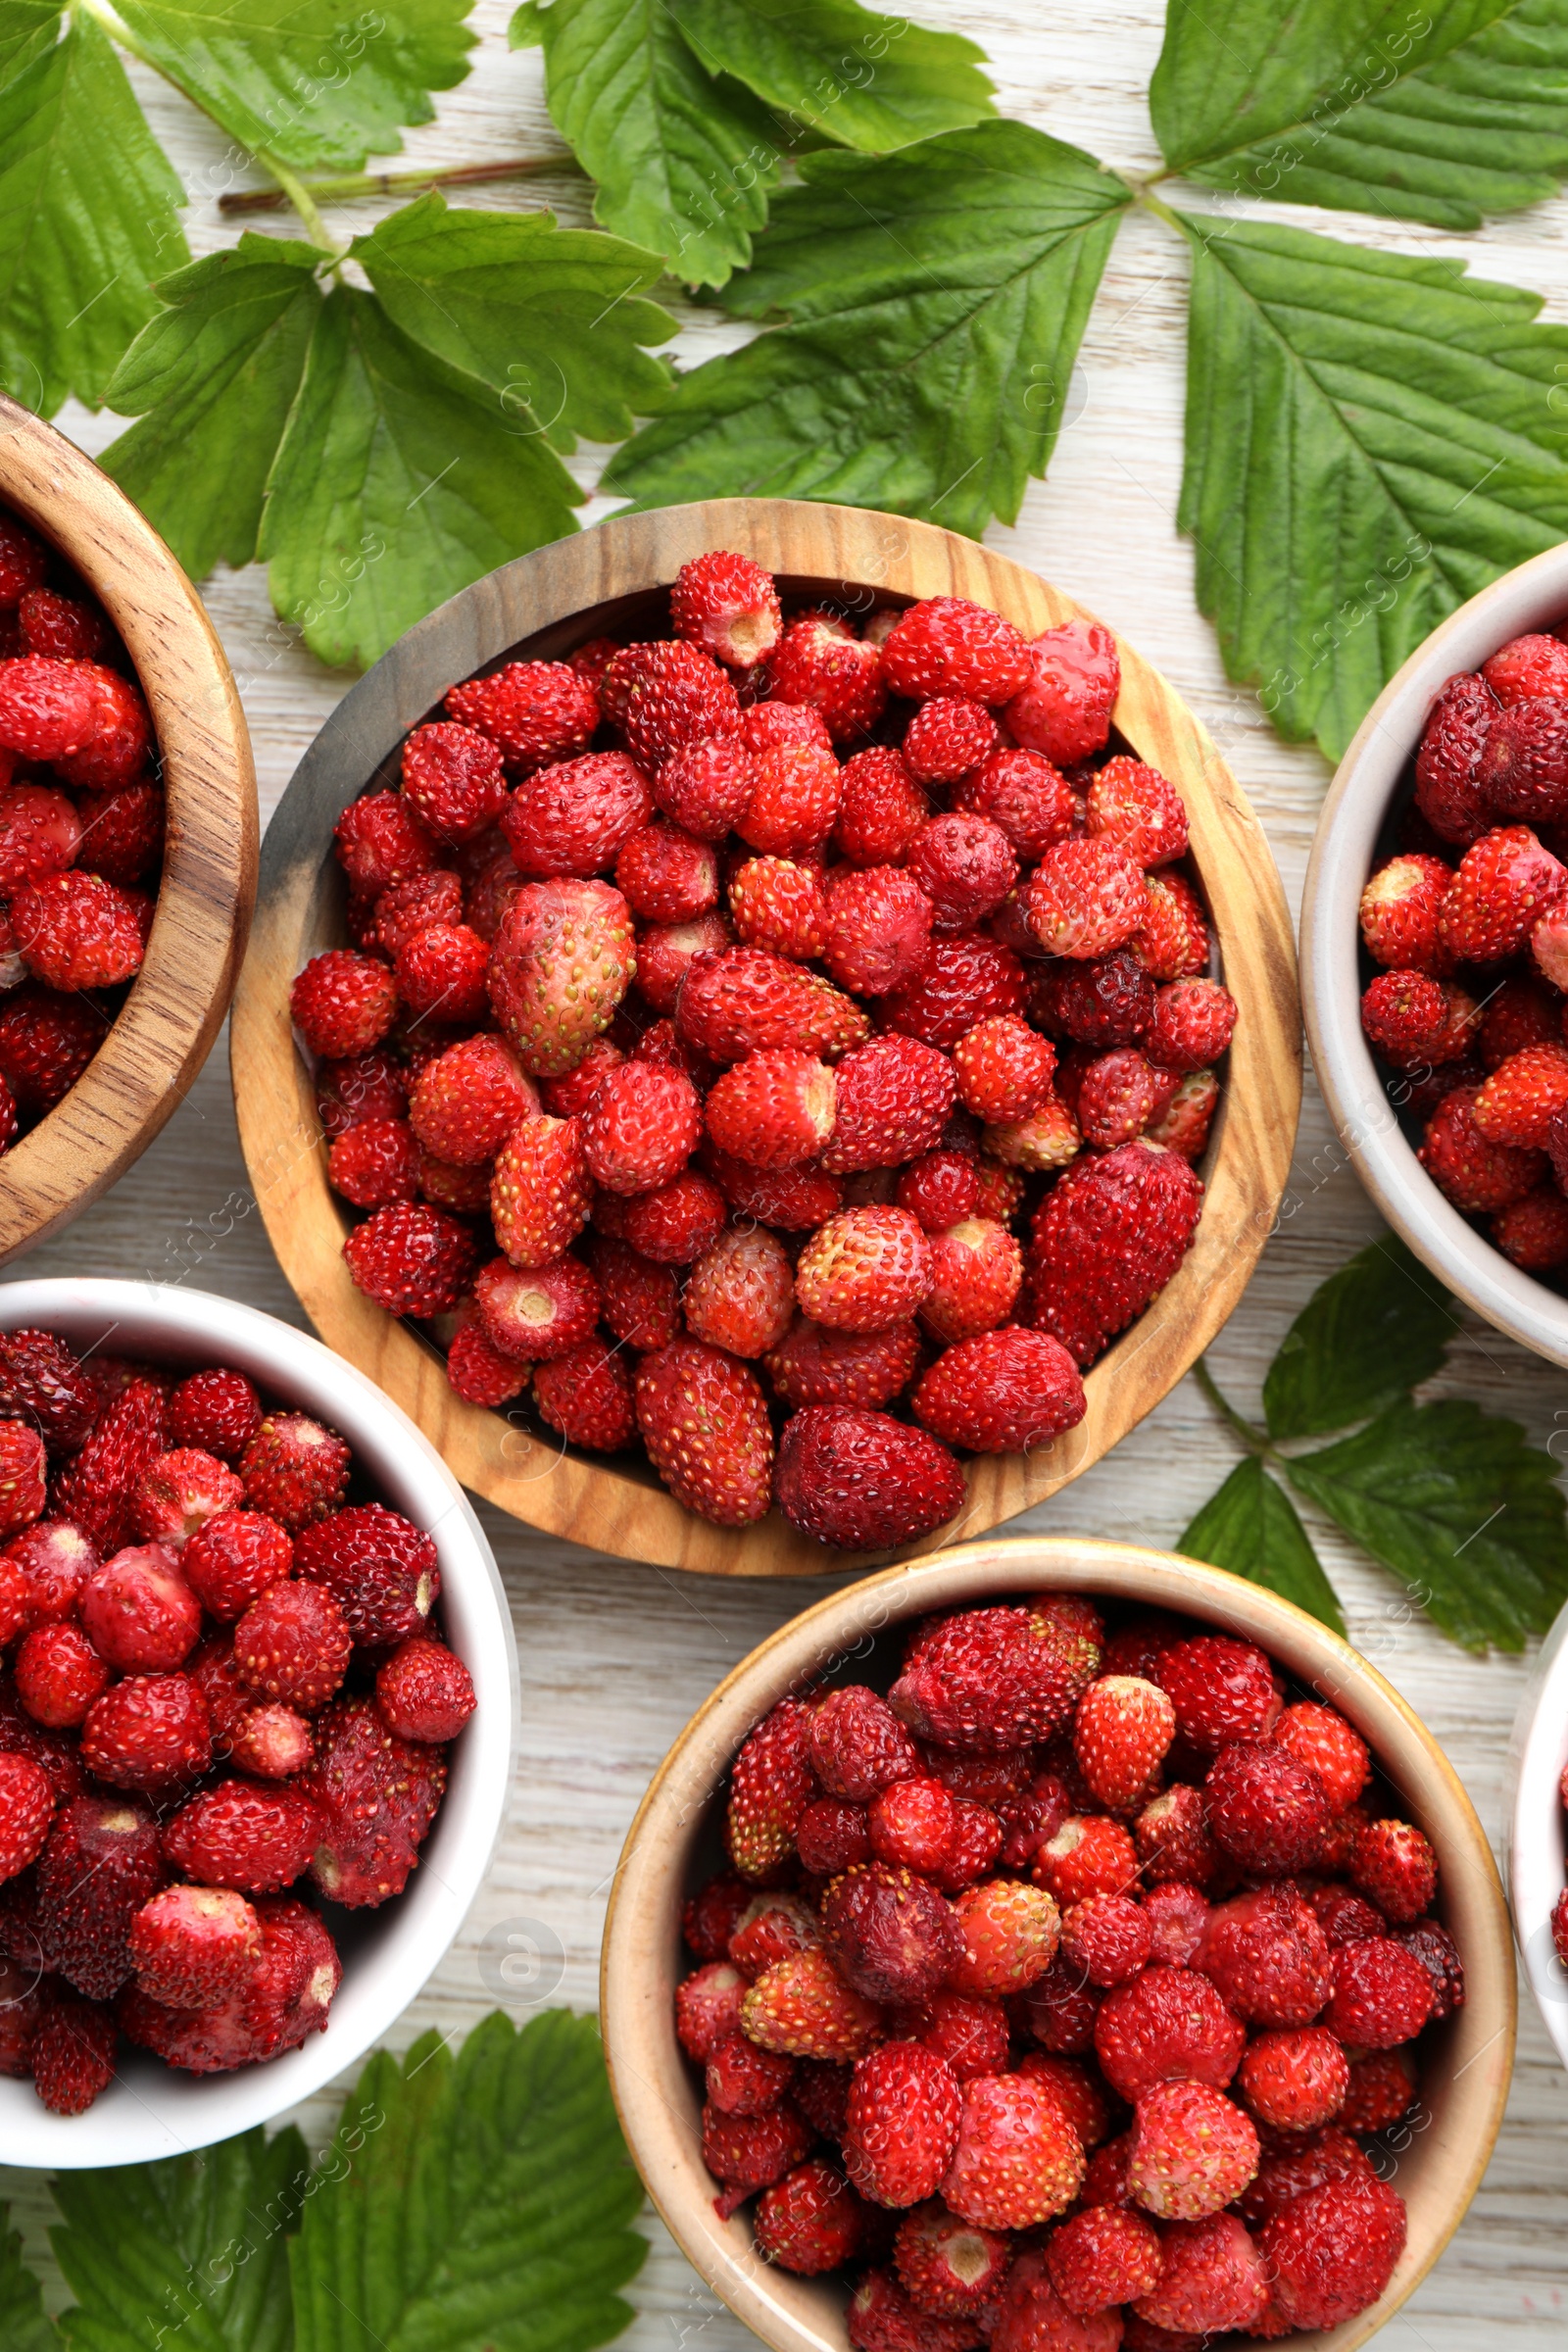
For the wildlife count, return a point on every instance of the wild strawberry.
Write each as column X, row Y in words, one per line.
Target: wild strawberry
column 1266, row 1809
column 292, row 1644
column 1183, row 1127
column 864, row 1269
column 1009, row 1931
column 575, row 818
column 666, row 694
column 452, row 776
column 913, row 1822
column 1193, row 1023
column 665, row 875
column 1318, row 1736
column 99, row 1866
column 1502, row 884
column 1294, row 2082
column 1222, row 1690
column 1472, row 1171
column 741, row 1000
column 1084, row 898
column 191, row 1946
column 1523, row 1096
column 375, row 1165
column 46, row 1041
column 95, row 1492
column 1523, row 768
column 1001, row 1392
column 1047, row 1140
column 864, row 1480
column 1413, row 1020
column 72, row 2053
column 665, row 952
column 946, row 645
column 480, row 1374
column 976, row 1273
column 24, row 1485
column 640, row 1300
column 48, row 708
column 424, row 1691
column 380, row 1568
column 1109, row 1237
column 1172, row 942
column 26, row 1808
column 1382, row 2084
column 641, row 1127
column 40, row 835
column 1137, row 809
column 1003, row 1069
column 774, row 1109
column 749, row 2152
column 1103, row 2256
column 820, row 661
column 58, row 1675
column 881, row 808
column 947, row 737
column 1269, row 1957
column 1178, row 1917
column 1345, row 1916
column 1088, row 1855
column 892, row 1102
column 1526, row 667
column 770, row 1928
column 889, row 1932
column 370, row 1085
column 564, row 1098
column 969, row 2033
column 802, row 2007
column 1193, row 2151
column 1399, row 910
column 139, row 1613
column 287, row 1998
column 1018, row 2161
column 272, row 1741
column 795, row 1200
column 1447, row 790
column 440, row 973
column 1060, row 2010
column 178, row 1492
column 1331, row 2253
column 77, row 930
column 901, row 2124
column 560, row 966
column 707, row 787
column 948, row 2267
column 20, row 2006
column 832, row 1836
column 728, row 605
column 1119, row 1096
column 24, row 564
column 676, row 1223
column 533, row 711
column 407, row 908
column 1213, row 2277
column 343, row 1003
column 1101, row 1001
column 294, row 1470
column 1167, row 2026
column 1172, row 1837
column 1123, row 1730
column 940, row 1188
column 856, row 1744
column 412, row 1259
column 878, row 929
column 1396, row 1866
column 811, row 2221
column 961, row 982
column 795, row 800
column 740, row 1293
column 541, row 1190
column 984, row 1682
column 743, row 2080
column 380, row 839
column 239, row 1835
column 375, row 1795
column 1063, row 706
column 586, row 1394
column 778, row 906
column 1294, row 2171
column 705, row 1424
column 43, row 1383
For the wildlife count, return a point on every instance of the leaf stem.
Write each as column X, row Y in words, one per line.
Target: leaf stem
column 350, row 184
column 1145, row 196
column 1252, row 1438
column 300, row 197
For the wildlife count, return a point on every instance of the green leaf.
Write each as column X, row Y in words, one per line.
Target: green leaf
column 27, row 29
column 550, row 318
column 1370, row 439
column 189, row 2253
column 684, row 164
column 481, row 2205
column 25, row 2325
column 318, row 83
column 1440, row 116
column 88, row 216
column 1369, row 1335
column 870, row 82
column 399, row 481
column 213, row 378
column 1251, row 1527
column 936, row 297
column 1455, row 1503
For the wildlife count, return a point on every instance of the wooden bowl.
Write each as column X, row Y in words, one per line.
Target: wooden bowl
column 614, row 581
column 672, row 1846
column 166, row 1027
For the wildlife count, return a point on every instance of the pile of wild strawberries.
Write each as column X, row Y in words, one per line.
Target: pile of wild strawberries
column 81, row 827
column 1061, row 1986
column 222, row 1681
column 744, row 1135
column 1560, row 1913
column 1471, row 925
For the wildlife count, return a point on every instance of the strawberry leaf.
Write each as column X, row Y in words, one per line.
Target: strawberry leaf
column 25, row 2325
column 550, row 318
column 482, row 2201
column 318, row 83
column 1251, row 1527
column 27, row 29
column 1460, row 1506
column 936, row 301
column 189, row 2252
column 870, row 82
column 684, row 162
column 213, row 378
column 398, row 481
column 1444, row 115
column 1368, row 1336
column 1369, row 441
column 88, row 217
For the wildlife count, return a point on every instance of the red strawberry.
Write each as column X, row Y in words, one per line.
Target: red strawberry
column 881, row 808
column 294, row 1470
column 941, row 1189
column 707, row 787
column 1382, row 2084
column 40, row 835
column 1101, row 1001
column 1172, row 941
column 371, row 1086
column 902, row 2123
column 1336, row 1751
column 541, row 1190
column 1413, row 1020
column 1047, row 1140
column 811, row 2221
column 586, row 1394
column 795, row 799
column 343, row 1003
column 1474, row 1172
column 889, row 1932
column 740, row 1293
column 238, row 1835
column 864, row 1269
column 1001, row 1392
column 705, row 1424
column 380, row 839
column 1028, row 800
column 893, row 1100
column 1269, row 1957
column 820, row 661
column 774, row 1109
column 740, row 1000
column 1222, row 1690
column 778, row 906
column 1084, row 898
column 96, row 1490
column 1009, row 1931
column 1085, row 1855
column 1003, row 1069
column 292, row 1644
column 1103, row 2256
column 566, row 1096
column 533, row 711
column 1395, row 1864
column 286, row 1998
column 1401, row 907
column 193, row 1945
column 749, row 2152
column 802, row 2007
column 1331, row 2253
column 1063, row 707
column 1018, row 2161
column 1294, row 2082
column 795, row 1200
column 667, row 695
column 480, row 1374
column 1107, row 1240
column 1193, row 1023
column 59, row 1674
column 1136, row 808
column 424, row 1691
column 412, row 1259
column 1522, row 1096
column 946, row 645
column 272, row 1741
column 560, row 966
column 962, row 981
column 1502, row 884
column 1108, row 1938
column 375, row 1165
column 409, row 907
column 946, row 738
column 639, row 1299
column 728, row 605
column 674, row 1224
column 440, row 973
column 100, row 1863
column 575, row 817
column 665, row 875
column 452, row 776
column 376, row 1797
column 1122, row 1732
column 948, row 2267
column 1169, row 2024
column 380, row 1568
column 641, row 1127
column 72, row 2055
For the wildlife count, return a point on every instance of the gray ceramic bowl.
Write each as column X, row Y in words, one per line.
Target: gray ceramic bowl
column 1369, row 775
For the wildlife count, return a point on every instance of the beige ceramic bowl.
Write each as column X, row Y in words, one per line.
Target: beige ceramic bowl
column 672, row 1845
column 1534, row 597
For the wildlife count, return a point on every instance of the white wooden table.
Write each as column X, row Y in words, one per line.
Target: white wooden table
column 616, row 1656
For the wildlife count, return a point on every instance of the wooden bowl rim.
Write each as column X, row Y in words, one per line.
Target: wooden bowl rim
column 614, row 1506
column 640, row 1954
column 176, row 1006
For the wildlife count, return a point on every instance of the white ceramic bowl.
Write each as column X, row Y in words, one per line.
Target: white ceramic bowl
column 1537, row 1846
column 151, row 2109
column 1366, row 781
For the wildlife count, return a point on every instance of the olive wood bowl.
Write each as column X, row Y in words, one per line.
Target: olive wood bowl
column 615, row 580
column 175, row 1007
column 672, row 1846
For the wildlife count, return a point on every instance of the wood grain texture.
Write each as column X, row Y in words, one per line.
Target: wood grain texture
column 1466, row 2063
column 176, row 1006
column 613, row 579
